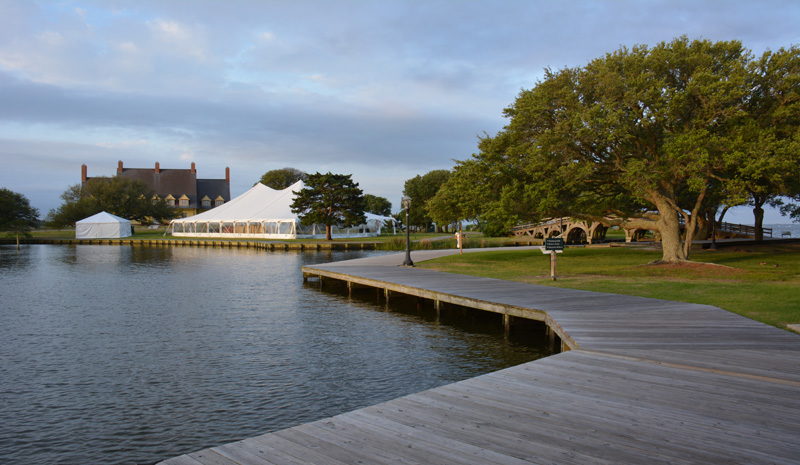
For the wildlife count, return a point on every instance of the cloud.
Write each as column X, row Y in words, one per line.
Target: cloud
column 128, row 47
column 318, row 128
column 122, row 144
column 397, row 87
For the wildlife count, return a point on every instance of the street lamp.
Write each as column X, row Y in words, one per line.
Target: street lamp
column 406, row 202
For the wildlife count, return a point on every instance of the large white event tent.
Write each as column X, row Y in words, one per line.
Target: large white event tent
column 264, row 213
column 102, row 225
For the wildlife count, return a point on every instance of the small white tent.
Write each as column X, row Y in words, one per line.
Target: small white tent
column 377, row 222
column 102, row 225
column 262, row 213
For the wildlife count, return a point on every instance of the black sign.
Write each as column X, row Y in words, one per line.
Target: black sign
column 554, row 243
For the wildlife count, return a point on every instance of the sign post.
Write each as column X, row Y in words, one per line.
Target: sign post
column 553, row 246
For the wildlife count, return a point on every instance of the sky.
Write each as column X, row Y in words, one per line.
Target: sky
column 383, row 90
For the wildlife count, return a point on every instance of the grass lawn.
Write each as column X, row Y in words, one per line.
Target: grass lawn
column 761, row 282
column 385, row 241
column 139, row 233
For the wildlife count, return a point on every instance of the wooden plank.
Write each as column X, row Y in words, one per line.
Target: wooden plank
column 181, row 460
column 378, row 447
column 409, row 444
column 554, row 403
column 210, row 457
column 306, row 453
column 604, row 422
column 252, row 453
column 535, row 442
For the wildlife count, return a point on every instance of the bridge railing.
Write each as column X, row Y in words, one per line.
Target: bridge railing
column 742, row 229
column 521, row 227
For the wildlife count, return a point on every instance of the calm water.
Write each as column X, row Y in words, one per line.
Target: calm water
column 132, row 355
column 777, row 229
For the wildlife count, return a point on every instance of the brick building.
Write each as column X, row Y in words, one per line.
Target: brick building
column 180, row 188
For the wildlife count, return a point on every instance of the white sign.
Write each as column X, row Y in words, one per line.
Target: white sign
column 548, row 252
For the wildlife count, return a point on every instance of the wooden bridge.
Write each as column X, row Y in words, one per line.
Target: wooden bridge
column 642, row 381
column 575, row 231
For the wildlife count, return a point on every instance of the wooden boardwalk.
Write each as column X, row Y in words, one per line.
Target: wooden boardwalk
column 645, row 381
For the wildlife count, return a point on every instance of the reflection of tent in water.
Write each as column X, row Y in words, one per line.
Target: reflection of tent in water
column 265, row 213
column 102, row 226
column 91, row 255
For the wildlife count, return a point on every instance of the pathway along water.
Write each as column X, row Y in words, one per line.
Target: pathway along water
column 113, row 354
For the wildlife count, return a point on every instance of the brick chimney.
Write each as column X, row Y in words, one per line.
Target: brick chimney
column 194, row 168
column 119, row 167
column 227, row 175
column 84, row 172
column 158, row 167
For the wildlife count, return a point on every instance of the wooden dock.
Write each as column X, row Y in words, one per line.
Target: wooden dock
column 644, row 381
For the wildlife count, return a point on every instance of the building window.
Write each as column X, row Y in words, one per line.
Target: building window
column 205, row 201
column 183, row 201
column 169, row 200
column 218, row 201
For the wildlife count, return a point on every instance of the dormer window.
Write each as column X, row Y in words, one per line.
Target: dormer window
column 183, row 201
column 155, row 198
column 218, row 201
column 205, row 201
column 169, row 200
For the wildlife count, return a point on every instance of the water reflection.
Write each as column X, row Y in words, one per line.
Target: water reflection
column 119, row 354
column 11, row 257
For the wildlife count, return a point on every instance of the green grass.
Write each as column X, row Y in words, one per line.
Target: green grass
column 761, row 282
column 139, row 233
column 384, row 242
column 615, row 234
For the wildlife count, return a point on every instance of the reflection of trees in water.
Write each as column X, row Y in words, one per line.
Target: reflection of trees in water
column 10, row 257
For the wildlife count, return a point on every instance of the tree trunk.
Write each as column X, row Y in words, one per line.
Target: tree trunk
column 691, row 222
column 17, row 241
column 704, row 222
column 758, row 215
column 690, row 227
column 672, row 248
column 722, row 215
column 328, row 229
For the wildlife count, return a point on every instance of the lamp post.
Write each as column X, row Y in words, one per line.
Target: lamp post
column 406, row 202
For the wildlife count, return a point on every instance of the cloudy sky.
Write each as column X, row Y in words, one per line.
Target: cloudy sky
column 381, row 89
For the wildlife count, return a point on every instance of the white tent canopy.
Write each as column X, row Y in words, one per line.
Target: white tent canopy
column 102, row 225
column 264, row 213
column 376, row 222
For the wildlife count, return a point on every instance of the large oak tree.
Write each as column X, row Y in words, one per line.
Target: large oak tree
column 639, row 130
column 768, row 166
